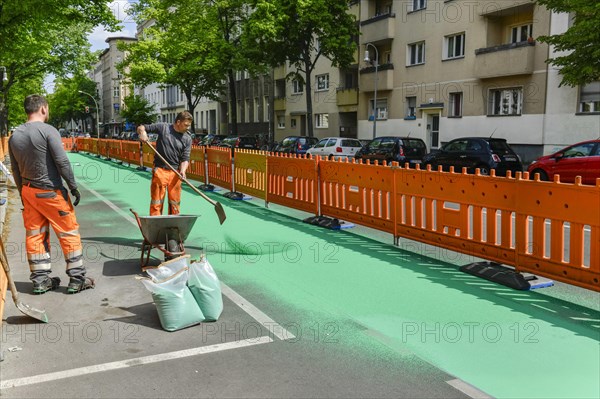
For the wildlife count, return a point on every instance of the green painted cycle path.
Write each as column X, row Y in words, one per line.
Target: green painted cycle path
column 509, row 344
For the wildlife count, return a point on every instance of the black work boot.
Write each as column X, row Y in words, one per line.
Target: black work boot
column 77, row 284
column 49, row 284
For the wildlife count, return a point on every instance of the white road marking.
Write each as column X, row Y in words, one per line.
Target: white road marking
column 273, row 327
column 269, row 324
column 468, row 389
column 36, row 379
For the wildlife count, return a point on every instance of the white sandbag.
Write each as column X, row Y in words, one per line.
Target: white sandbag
column 206, row 289
column 176, row 306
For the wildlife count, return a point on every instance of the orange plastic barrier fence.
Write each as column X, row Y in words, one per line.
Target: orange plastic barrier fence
column 130, row 152
column 250, row 172
column 3, row 289
column 551, row 217
column 292, row 182
column 219, row 166
column 361, row 193
column 197, row 168
column 550, row 229
column 4, row 147
column 68, row 143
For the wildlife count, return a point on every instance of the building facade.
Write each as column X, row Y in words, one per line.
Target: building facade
column 460, row 68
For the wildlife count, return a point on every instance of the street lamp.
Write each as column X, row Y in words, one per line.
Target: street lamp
column 375, row 62
column 97, row 119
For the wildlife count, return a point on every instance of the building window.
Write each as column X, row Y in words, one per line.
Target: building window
column 281, row 121
column 297, row 87
column 418, row 5
column 293, row 123
column 116, row 91
column 589, row 98
column 322, row 121
column 455, row 109
column 416, row 53
column 323, row 82
column 521, row 33
column 381, row 111
column 266, row 116
column 255, row 109
column 247, row 111
column 411, row 107
column 506, row 101
column 454, row 46
column 239, row 111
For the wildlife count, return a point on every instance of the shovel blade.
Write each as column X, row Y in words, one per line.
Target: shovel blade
column 32, row 312
column 220, row 212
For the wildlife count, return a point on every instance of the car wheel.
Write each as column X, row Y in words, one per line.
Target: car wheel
column 543, row 175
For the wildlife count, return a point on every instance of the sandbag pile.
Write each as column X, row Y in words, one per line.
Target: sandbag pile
column 185, row 293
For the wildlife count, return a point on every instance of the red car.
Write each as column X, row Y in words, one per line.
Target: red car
column 581, row 159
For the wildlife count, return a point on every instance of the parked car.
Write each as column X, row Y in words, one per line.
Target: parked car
column 335, row 147
column 393, row 149
column 197, row 138
column 212, row 139
column 364, row 142
column 581, row 159
column 296, row 144
column 248, row 142
column 484, row 153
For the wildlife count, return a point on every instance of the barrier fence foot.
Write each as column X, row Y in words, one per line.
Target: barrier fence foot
column 206, row 187
column 328, row 223
column 234, row 195
column 505, row 275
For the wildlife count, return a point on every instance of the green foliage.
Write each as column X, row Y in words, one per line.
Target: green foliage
column 300, row 32
column 138, row 110
column 40, row 37
column 67, row 103
column 581, row 42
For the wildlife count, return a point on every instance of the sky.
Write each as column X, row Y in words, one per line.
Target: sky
column 99, row 35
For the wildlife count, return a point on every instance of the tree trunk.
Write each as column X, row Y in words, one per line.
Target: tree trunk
column 233, row 127
column 309, row 117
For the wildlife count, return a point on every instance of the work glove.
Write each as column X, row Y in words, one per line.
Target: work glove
column 75, row 193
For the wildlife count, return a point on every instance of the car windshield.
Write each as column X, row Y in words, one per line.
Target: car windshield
column 409, row 143
column 321, row 143
column 351, row 143
column 288, row 142
column 499, row 146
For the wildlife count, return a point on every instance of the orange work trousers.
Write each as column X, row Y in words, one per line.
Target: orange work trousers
column 42, row 208
column 164, row 180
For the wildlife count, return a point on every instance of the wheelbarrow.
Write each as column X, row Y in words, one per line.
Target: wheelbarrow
column 165, row 232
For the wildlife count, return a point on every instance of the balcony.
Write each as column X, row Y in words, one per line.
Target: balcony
column 279, row 104
column 378, row 28
column 385, row 78
column 505, row 60
column 347, row 96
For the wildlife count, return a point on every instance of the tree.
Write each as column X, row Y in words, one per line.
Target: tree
column 138, row 110
column 195, row 49
column 39, row 38
column 581, row 42
column 299, row 32
column 67, row 104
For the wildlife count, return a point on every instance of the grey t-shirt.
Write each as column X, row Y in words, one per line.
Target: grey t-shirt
column 173, row 146
column 38, row 158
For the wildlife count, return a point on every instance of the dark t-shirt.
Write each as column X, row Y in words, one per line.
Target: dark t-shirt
column 173, row 146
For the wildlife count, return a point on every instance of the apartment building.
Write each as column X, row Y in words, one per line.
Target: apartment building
column 452, row 68
column 253, row 105
column 114, row 88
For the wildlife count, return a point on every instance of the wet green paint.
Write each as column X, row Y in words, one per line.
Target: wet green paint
column 506, row 343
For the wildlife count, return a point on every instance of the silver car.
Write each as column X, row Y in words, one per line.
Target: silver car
column 336, row 148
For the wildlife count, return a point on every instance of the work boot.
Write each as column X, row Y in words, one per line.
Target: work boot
column 77, row 284
column 49, row 284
